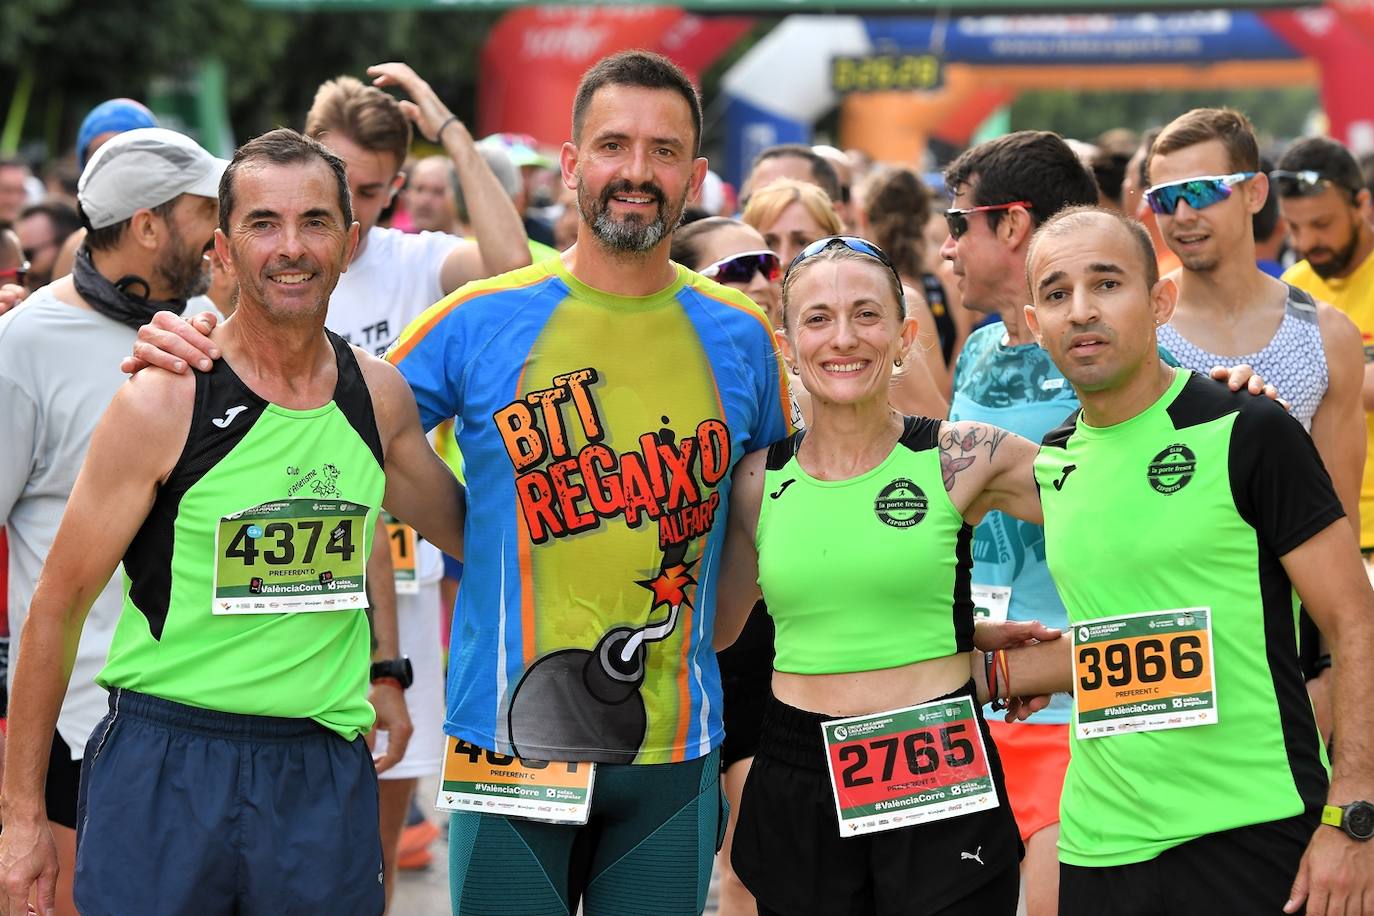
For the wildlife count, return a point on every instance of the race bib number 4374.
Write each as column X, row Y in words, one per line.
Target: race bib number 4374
column 1144, row 672
column 291, row 555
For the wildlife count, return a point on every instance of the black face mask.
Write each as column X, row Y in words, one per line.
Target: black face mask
column 125, row 300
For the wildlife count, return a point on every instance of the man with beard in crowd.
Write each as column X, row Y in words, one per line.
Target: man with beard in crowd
column 1323, row 201
column 151, row 199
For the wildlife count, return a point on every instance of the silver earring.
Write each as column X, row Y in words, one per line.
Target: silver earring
column 795, row 370
column 897, row 362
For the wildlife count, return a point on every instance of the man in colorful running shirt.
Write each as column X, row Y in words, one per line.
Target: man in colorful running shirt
column 1002, row 377
column 1197, row 778
column 243, row 512
column 600, row 401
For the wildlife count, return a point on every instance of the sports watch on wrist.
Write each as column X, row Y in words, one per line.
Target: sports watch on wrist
column 397, row 668
column 1355, row 819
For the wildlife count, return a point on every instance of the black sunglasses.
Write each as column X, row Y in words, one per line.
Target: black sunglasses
column 1304, row 183
column 957, row 219
column 740, row 268
column 853, row 243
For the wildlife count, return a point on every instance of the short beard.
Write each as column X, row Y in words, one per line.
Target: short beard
column 184, row 275
column 629, row 234
column 1340, row 260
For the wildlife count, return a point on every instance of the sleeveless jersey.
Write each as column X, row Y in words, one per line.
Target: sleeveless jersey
column 1353, row 295
column 1190, row 503
column 316, row 478
column 866, row 573
column 598, row 433
column 1294, row 360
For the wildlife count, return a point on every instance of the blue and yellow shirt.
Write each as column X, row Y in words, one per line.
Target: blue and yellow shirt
column 598, row 434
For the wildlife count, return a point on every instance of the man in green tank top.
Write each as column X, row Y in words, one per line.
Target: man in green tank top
column 1180, row 520
column 231, row 770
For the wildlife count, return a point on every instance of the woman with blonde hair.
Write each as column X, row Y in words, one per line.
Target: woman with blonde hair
column 792, row 214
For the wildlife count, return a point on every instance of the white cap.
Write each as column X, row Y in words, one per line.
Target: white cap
column 144, row 168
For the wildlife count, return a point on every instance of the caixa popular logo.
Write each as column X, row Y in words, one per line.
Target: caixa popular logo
column 901, row 504
column 1172, row 468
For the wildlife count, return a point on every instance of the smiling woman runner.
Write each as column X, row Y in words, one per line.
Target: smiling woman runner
column 876, row 788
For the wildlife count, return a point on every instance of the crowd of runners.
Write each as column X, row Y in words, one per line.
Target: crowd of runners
column 887, row 542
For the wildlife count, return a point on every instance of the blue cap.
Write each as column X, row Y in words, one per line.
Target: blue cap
column 115, row 115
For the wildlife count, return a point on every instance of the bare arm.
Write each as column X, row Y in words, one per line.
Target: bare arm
column 387, row 699
column 1329, row 577
column 501, row 241
column 738, row 587
column 987, row 468
column 1338, row 428
column 420, row 489
column 110, row 500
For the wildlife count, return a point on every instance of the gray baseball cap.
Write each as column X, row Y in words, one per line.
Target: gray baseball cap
column 144, row 168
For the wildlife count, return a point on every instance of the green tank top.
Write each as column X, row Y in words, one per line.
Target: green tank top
column 866, row 573
column 244, row 587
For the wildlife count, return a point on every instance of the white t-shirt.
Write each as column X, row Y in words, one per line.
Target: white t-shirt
column 59, row 370
column 384, row 289
column 388, row 286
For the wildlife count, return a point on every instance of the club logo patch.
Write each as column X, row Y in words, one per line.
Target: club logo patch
column 901, row 504
column 1172, row 468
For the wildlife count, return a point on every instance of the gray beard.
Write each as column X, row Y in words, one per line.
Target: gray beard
column 629, row 235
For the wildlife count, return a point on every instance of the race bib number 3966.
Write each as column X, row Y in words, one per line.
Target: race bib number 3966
column 908, row 766
column 291, row 555
column 1144, row 672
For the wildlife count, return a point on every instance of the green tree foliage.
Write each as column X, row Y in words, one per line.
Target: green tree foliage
column 1276, row 113
column 80, row 52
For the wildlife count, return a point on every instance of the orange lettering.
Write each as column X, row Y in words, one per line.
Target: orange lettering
column 524, row 443
column 578, row 383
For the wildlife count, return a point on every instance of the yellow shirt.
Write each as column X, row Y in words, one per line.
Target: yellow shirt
column 1353, row 295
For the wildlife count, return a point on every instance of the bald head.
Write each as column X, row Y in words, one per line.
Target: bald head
column 1073, row 223
column 429, row 196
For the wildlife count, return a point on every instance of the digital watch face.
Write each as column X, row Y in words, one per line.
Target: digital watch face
column 1359, row 820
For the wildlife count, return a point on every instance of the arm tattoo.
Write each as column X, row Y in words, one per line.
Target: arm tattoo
column 959, row 451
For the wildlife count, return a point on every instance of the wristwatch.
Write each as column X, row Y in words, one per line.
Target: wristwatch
column 1356, row 819
column 396, row 668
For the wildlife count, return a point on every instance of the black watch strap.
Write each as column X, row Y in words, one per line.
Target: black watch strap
column 398, row 668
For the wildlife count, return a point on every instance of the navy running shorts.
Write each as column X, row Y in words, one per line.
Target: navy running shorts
column 191, row 811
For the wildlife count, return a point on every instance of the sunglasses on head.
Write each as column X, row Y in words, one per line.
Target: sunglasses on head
column 15, row 274
column 1196, row 192
column 740, row 268
column 1304, row 183
column 957, row 219
column 853, row 243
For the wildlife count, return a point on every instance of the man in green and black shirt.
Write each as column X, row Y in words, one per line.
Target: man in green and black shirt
column 1180, row 518
column 231, row 774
